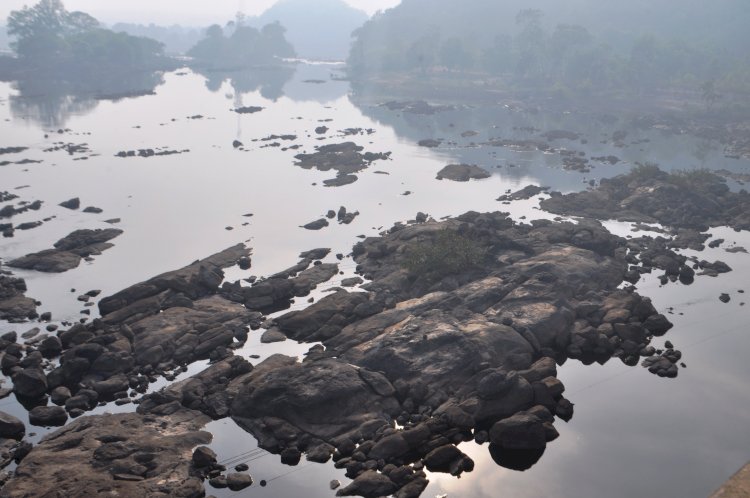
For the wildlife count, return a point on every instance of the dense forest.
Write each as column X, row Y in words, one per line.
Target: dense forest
column 49, row 38
column 239, row 46
column 577, row 45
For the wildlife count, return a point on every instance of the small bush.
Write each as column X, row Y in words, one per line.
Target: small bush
column 447, row 253
column 645, row 171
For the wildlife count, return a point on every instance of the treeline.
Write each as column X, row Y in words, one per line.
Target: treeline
column 239, row 46
column 572, row 46
column 48, row 37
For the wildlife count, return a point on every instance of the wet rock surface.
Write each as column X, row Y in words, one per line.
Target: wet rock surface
column 68, row 251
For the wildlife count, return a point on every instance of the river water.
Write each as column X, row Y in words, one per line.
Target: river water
column 633, row 434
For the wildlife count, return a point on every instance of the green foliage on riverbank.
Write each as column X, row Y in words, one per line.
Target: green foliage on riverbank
column 243, row 47
column 50, row 38
column 568, row 48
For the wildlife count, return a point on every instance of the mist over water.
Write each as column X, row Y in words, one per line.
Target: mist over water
column 261, row 129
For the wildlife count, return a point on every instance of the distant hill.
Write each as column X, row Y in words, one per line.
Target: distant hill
column 318, row 30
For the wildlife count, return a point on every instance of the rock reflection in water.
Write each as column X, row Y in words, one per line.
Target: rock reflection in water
column 519, row 460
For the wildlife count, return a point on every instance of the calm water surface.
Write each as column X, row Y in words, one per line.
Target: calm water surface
column 633, row 434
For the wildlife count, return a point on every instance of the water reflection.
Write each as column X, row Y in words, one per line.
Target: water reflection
column 513, row 139
column 51, row 101
column 268, row 80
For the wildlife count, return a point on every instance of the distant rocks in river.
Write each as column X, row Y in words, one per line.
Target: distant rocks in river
column 72, row 204
column 146, row 153
column 527, row 192
column 68, row 251
column 462, row 173
column 429, row 143
column 345, row 158
column 248, row 110
column 316, row 225
column 694, row 200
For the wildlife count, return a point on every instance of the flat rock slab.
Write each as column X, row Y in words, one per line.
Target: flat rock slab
column 736, row 487
column 68, row 251
column 114, row 455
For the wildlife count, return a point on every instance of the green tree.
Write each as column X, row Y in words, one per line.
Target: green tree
column 40, row 31
column 530, row 43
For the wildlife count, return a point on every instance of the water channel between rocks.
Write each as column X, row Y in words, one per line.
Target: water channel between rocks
column 633, row 434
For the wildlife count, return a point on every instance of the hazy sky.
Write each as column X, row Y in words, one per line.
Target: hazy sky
column 194, row 12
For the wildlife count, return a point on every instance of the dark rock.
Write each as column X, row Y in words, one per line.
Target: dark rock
column 48, row 416
column 462, row 173
column 369, row 484
column 519, row 432
column 316, row 225
column 74, row 203
column 238, row 482
column 30, row 383
column 11, row 427
column 203, row 457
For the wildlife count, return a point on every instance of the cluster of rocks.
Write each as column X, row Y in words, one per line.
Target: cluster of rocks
column 75, row 203
column 9, row 210
column 685, row 200
column 150, row 153
column 153, row 328
column 204, row 461
column 408, row 367
column 276, row 292
column 344, row 158
column 461, row 356
column 343, row 216
column 68, row 251
column 14, row 305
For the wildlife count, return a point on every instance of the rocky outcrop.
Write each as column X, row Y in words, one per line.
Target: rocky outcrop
column 683, row 200
column 118, row 455
column 14, row 305
column 460, row 353
column 68, row 251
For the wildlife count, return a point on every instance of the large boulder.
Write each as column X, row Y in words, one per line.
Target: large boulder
column 11, row 427
column 30, row 383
